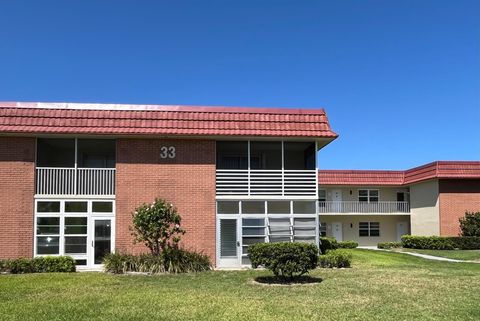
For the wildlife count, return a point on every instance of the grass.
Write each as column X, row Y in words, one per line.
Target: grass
column 380, row 286
column 466, row 255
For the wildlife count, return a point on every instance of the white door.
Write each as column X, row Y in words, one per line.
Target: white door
column 337, row 200
column 402, row 229
column 228, row 243
column 337, row 231
column 102, row 243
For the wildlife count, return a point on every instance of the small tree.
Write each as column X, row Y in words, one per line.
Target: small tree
column 157, row 225
column 470, row 224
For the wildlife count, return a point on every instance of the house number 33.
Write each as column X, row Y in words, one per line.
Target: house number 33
column 167, row 152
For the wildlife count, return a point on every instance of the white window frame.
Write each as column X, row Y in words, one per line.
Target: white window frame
column 62, row 214
column 369, row 229
column 368, row 195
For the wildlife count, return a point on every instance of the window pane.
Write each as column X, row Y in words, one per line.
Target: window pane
column 323, row 229
column 228, row 238
column 363, row 199
column 274, row 239
column 363, row 225
column 102, row 207
column 266, row 155
column 373, row 192
column 48, row 207
column 75, row 225
column 253, row 231
column 96, row 153
column 304, row 222
column 80, row 262
column 363, row 232
column 363, row 192
column 253, row 222
column 75, row 245
column 304, row 207
column 375, row 225
column 373, row 199
column 278, row 207
column 55, row 152
column 232, row 155
column 374, row 232
column 253, row 207
column 75, row 207
column 227, row 207
column 48, row 225
column 48, row 245
column 299, row 156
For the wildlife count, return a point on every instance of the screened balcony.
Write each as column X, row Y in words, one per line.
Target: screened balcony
column 258, row 168
column 75, row 166
column 391, row 207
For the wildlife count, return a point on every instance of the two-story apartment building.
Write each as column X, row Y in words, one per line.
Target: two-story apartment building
column 72, row 174
column 371, row 206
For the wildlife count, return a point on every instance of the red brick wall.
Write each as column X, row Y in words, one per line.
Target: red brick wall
column 457, row 196
column 187, row 181
column 17, row 176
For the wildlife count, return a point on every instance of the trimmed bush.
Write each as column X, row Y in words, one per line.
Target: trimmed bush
column 389, row 245
column 336, row 259
column 328, row 243
column 171, row 260
column 427, row 242
column 286, row 260
column 41, row 264
column 441, row 242
column 347, row 245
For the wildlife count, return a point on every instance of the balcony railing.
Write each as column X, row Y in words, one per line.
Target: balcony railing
column 266, row 182
column 363, row 207
column 71, row 181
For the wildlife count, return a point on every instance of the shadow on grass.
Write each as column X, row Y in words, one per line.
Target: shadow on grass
column 273, row 280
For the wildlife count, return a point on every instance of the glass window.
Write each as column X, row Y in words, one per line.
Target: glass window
column 75, row 245
column 48, row 239
column 304, row 207
column 228, row 207
column 48, row 225
column 102, row 207
column 299, row 156
column 75, row 225
column 278, row 207
column 368, row 195
column 369, row 229
column 266, row 155
column 55, row 152
column 232, row 155
column 48, row 207
column 322, row 195
column 75, row 207
column 96, row 153
column 253, row 207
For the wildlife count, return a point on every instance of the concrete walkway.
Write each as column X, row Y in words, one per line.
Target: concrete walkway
column 424, row 256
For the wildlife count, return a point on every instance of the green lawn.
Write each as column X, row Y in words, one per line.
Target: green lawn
column 467, row 255
column 380, row 286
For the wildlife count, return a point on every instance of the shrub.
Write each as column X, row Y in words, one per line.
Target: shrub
column 336, row 259
column 347, row 245
column 328, row 243
column 157, row 225
column 42, row 264
column 427, row 242
column 286, row 260
column 470, row 224
column 172, row 260
column 465, row 242
column 389, row 245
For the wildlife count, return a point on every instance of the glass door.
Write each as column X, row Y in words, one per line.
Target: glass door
column 228, row 252
column 102, row 243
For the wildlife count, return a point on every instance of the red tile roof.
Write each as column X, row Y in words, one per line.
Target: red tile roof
column 439, row 169
column 109, row 119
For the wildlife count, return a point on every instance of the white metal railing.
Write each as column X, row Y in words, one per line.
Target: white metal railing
column 266, row 182
column 71, row 181
column 363, row 207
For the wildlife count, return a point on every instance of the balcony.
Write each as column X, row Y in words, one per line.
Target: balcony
column 364, row 207
column 71, row 181
column 233, row 182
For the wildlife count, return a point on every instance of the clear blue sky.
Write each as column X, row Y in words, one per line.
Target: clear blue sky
column 400, row 80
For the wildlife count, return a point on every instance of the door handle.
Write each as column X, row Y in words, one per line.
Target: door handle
column 92, row 243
